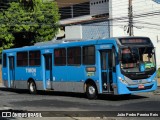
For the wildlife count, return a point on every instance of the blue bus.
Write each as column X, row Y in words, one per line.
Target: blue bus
column 123, row 65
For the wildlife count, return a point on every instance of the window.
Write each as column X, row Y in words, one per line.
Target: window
column 89, row 55
column 65, row 12
column 113, row 57
column 81, row 9
column 74, row 56
column 34, row 58
column 48, row 61
column 4, row 60
column 22, row 58
column 60, row 56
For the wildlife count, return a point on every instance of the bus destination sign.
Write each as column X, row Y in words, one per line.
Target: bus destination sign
column 134, row 41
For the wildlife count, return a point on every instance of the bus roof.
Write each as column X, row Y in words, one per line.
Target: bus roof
column 68, row 44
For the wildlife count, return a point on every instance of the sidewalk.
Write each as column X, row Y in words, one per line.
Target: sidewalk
column 1, row 85
column 157, row 92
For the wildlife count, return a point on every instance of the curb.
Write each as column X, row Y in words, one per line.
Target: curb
column 1, row 85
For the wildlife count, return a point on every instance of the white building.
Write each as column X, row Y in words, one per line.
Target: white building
column 91, row 19
column 146, row 20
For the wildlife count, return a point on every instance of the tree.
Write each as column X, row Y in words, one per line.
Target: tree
column 6, row 37
column 28, row 21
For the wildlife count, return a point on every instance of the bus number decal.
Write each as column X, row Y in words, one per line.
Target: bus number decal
column 47, row 51
column 31, row 70
column 105, row 46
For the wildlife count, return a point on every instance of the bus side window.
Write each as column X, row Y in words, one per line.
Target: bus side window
column 89, row 55
column 60, row 57
column 74, row 56
column 4, row 60
column 22, row 59
column 34, row 58
column 114, row 59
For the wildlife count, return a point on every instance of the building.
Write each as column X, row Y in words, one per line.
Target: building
column 145, row 20
column 92, row 19
column 85, row 19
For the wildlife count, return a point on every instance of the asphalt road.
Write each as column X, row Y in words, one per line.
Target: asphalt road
column 55, row 102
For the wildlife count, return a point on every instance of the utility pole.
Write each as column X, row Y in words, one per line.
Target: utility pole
column 130, row 17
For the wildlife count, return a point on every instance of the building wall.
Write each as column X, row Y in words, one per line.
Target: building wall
column 93, row 30
column 66, row 3
column 96, row 30
column 98, row 7
column 146, row 22
column 85, row 20
column 83, row 11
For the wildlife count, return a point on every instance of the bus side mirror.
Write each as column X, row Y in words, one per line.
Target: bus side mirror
column 150, row 55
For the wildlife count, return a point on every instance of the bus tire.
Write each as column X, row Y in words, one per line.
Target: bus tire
column 32, row 87
column 91, row 91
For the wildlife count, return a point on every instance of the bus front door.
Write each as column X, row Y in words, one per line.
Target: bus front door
column 106, row 70
column 48, row 70
column 11, row 71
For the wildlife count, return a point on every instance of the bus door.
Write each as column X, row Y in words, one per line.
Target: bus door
column 11, row 71
column 48, row 70
column 106, row 70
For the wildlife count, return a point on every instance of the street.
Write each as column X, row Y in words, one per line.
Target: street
column 21, row 100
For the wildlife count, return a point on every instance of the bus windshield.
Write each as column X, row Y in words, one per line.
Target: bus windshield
column 137, row 59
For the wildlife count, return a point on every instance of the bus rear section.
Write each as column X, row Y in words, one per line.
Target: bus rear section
column 8, row 69
column 20, row 67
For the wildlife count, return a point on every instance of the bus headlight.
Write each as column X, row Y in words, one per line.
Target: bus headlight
column 123, row 81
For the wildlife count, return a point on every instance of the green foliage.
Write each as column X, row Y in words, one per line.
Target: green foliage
column 6, row 37
column 158, row 73
column 40, row 18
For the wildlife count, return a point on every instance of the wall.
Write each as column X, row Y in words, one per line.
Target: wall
column 96, row 30
column 91, row 30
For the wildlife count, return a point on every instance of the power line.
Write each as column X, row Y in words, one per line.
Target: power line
column 135, row 17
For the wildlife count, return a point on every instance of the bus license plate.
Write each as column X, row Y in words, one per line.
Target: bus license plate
column 141, row 86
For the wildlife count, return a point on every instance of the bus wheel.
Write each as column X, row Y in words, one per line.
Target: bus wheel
column 32, row 87
column 91, row 91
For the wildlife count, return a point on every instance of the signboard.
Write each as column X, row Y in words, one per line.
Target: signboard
column 134, row 41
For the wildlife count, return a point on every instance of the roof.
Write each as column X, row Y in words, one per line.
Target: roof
column 57, row 44
column 69, row 44
column 66, row 3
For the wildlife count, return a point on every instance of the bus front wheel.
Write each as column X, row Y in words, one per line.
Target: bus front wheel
column 91, row 91
column 32, row 87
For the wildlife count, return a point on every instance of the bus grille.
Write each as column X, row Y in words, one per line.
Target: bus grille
column 137, row 89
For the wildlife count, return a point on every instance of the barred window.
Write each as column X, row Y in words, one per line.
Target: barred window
column 78, row 10
column 65, row 12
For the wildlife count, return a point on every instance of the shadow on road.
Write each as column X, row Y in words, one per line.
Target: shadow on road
column 19, row 91
column 120, row 97
column 108, row 97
